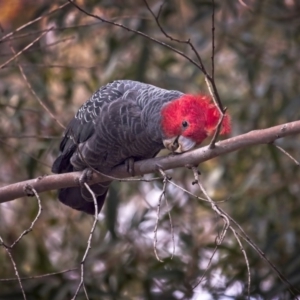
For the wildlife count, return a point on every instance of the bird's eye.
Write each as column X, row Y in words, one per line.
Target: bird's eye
column 185, row 124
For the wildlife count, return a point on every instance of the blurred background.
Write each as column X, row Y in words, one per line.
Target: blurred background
column 257, row 71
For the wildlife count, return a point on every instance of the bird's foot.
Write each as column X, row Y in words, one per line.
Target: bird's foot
column 129, row 163
column 85, row 177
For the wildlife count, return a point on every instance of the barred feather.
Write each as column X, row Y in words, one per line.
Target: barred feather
column 120, row 121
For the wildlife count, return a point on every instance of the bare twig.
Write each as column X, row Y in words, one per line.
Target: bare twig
column 212, row 143
column 165, row 176
column 30, row 189
column 287, row 154
column 227, row 219
column 211, row 92
column 31, row 110
column 188, row 41
column 245, row 257
column 34, row 32
column 207, row 267
column 187, row 192
column 194, row 157
column 213, row 42
column 35, row 94
column 137, row 32
column 214, row 207
column 81, row 283
column 53, row 66
column 47, row 137
column 39, row 276
column 23, row 50
column 25, row 153
column 245, row 237
column 16, row 271
column 222, row 110
column 32, row 22
column 249, row 241
column 226, row 226
column 157, row 218
column 171, row 227
column 46, row 46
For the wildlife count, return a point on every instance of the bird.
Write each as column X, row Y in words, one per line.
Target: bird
column 127, row 121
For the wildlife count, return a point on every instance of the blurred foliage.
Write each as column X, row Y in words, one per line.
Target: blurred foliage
column 257, row 73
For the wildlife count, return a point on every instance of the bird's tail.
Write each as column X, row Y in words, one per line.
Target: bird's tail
column 81, row 199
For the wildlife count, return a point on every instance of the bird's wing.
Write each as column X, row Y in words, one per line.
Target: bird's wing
column 82, row 126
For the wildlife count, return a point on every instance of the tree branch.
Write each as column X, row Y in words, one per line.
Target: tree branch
column 32, row 21
column 255, row 137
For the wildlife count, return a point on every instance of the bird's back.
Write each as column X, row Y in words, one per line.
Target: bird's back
column 120, row 120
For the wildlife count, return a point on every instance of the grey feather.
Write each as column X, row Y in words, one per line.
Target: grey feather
column 120, row 121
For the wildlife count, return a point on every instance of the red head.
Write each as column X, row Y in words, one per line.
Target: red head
column 188, row 120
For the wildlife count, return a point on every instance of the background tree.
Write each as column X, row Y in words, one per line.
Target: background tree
column 257, row 44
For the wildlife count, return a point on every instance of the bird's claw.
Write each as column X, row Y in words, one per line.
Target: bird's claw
column 86, row 176
column 129, row 163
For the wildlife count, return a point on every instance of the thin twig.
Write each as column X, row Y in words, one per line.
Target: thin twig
column 186, row 191
column 16, row 272
column 31, row 110
column 23, row 50
column 245, row 237
column 46, row 46
column 188, row 41
column 226, row 226
column 213, row 41
column 165, row 176
column 287, row 154
column 214, row 207
column 30, row 189
column 35, row 94
column 27, row 154
column 246, row 259
column 139, row 33
column 207, row 267
column 33, row 21
column 213, row 92
column 81, row 283
column 53, row 66
column 171, row 227
column 38, row 276
column 157, row 219
column 67, row 27
column 212, row 143
column 50, row 137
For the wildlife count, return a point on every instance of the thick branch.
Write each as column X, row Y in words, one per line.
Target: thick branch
column 195, row 157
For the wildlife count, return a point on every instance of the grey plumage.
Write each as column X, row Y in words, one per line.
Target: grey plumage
column 120, row 121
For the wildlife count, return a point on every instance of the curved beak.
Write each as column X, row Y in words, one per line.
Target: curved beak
column 179, row 144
